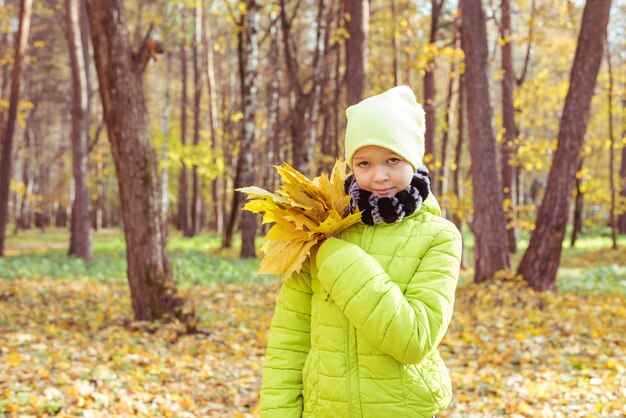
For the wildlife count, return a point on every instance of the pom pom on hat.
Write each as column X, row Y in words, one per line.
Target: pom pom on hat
column 392, row 120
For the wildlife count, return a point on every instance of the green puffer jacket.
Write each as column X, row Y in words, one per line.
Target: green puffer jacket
column 358, row 336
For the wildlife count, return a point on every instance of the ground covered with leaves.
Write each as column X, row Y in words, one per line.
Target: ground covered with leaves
column 68, row 348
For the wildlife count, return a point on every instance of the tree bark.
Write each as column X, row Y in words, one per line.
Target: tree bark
column 218, row 213
column 197, row 82
column 4, row 87
column 395, row 44
column 42, row 179
column 303, row 115
column 508, row 121
column 541, row 260
column 458, row 153
column 234, row 214
column 23, row 221
column 320, row 76
column 184, row 211
column 21, row 45
column 441, row 182
column 272, row 134
column 80, row 231
column 165, row 130
column 357, row 22
column 430, row 91
column 245, row 162
column 621, row 220
column 612, row 219
column 488, row 224
column 152, row 288
column 578, row 208
column 339, row 78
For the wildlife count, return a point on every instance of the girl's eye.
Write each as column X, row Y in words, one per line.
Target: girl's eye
column 394, row 160
column 363, row 164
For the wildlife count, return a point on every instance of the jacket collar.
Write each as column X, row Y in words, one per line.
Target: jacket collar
column 429, row 205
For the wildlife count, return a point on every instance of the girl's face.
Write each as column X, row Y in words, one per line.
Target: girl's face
column 381, row 171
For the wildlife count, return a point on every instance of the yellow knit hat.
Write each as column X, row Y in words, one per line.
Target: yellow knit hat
column 392, row 120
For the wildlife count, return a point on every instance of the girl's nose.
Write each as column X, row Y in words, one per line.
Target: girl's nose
column 381, row 174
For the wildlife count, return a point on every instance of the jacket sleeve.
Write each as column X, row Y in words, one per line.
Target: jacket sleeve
column 408, row 325
column 287, row 348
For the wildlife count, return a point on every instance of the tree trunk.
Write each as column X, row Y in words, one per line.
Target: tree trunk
column 60, row 219
column 229, row 104
column 336, row 146
column 4, row 87
column 541, row 259
column 80, row 233
column 152, row 288
column 458, row 153
column 578, row 208
column 184, row 212
column 97, row 206
column 612, row 220
column 42, row 178
column 337, row 113
column 165, row 130
column 440, row 180
column 302, row 120
column 508, row 121
column 245, row 165
column 395, row 44
column 21, row 44
column 320, row 78
column 621, row 220
column 443, row 172
column 357, row 22
column 218, row 213
column 197, row 82
column 488, row 225
column 430, row 91
column 245, row 162
column 24, row 219
column 272, row 134
column 234, row 214
column 330, row 92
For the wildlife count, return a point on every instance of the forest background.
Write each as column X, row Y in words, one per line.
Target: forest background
column 127, row 126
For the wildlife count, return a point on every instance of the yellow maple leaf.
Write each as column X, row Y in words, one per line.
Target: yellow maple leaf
column 305, row 213
column 14, row 359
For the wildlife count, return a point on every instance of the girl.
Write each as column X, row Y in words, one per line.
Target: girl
column 355, row 332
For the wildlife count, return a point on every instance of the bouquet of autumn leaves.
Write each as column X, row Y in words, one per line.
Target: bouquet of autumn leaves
column 305, row 213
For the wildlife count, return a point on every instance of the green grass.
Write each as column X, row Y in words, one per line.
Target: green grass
column 195, row 261
column 590, row 267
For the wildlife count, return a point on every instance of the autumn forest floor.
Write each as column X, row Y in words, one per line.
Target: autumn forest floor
column 69, row 347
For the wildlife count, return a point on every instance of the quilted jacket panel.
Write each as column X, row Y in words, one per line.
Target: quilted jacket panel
column 356, row 334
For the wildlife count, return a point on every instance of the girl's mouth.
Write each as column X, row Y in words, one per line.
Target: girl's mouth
column 383, row 192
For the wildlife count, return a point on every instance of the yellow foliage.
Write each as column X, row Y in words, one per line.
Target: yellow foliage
column 236, row 117
column 507, row 347
column 14, row 359
column 17, row 187
column 305, row 212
